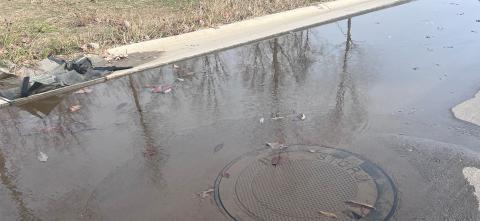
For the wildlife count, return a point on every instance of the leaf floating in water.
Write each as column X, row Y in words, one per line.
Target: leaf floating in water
column 164, row 89
column 42, row 157
column 226, row 175
column 277, row 146
column 328, row 215
column 84, row 91
column 149, row 152
column 218, row 148
column 75, row 108
column 120, row 106
column 50, row 129
column 276, row 160
column 302, row 117
column 262, row 120
column 206, row 193
column 357, row 204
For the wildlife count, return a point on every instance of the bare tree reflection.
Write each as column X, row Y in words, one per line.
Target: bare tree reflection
column 342, row 121
column 151, row 152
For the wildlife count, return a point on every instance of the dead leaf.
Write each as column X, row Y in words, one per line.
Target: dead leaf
column 42, row 157
column 50, row 129
column 276, row 160
column 277, row 146
column 75, row 108
column 302, row 116
column 358, row 204
column 218, row 148
column 328, row 215
column 83, row 91
column 149, row 152
column 206, row 193
column 226, row 175
column 162, row 89
column 262, row 120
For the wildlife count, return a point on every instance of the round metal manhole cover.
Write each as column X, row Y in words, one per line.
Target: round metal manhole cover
column 306, row 183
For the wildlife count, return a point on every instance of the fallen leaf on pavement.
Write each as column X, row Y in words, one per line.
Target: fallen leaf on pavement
column 75, row 108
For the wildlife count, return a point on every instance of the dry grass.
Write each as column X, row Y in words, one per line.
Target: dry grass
column 31, row 29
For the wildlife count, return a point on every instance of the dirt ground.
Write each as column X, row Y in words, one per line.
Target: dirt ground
column 31, row 29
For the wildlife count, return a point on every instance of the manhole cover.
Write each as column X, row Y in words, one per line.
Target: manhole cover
column 306, row 181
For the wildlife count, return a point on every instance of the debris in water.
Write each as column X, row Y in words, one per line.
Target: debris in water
column 75, row 108
column 149, row 152
column 180, row 79
column 428, row 36
column 327, row 214
column 302, row 117
column 447, row 46
column 122, row 105
column 226, row 175
column 276, row 160
column 312, row 151
column 84, row 91
column 176, row 66
column 164, row 89
column 206, row 193
column 218, row 148
column 353, row 215
column 276, row 116
column 478, row 20
column 357, row 204
column 42, row 157
column 50, row 129
column 415, row 68
column 277, row 146
column 262, row 120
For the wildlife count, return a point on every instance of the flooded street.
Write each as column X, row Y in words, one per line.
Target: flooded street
column 377, row 87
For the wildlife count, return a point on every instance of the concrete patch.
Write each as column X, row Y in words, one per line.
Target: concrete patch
column 472, row 175
column 469, row 110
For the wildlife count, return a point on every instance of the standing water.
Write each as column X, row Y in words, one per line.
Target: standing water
column 376, row 88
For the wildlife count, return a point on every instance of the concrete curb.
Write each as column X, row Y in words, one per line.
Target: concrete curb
column 185, row 46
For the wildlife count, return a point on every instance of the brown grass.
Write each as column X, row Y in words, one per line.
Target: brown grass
column 31, row 29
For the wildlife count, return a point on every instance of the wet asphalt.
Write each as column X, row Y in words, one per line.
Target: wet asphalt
column 380, row 85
